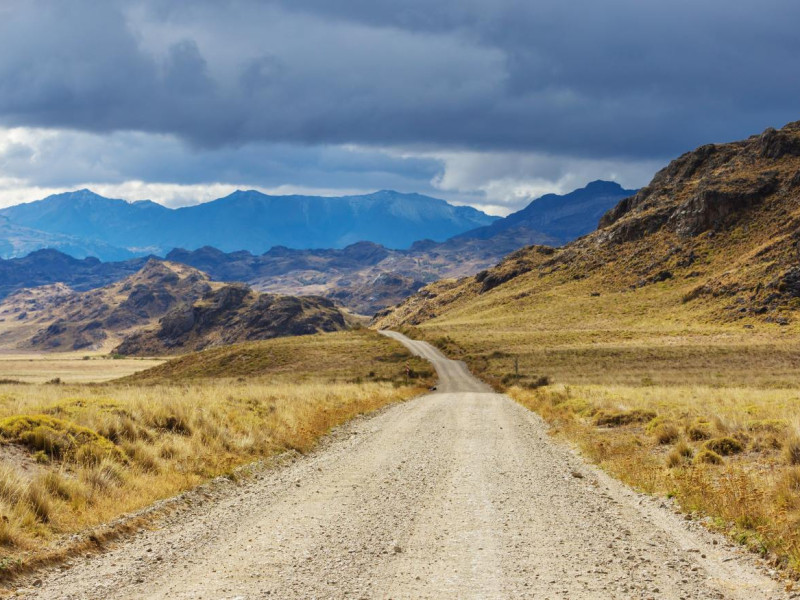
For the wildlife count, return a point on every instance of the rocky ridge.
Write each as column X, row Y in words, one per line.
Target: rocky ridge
column 722, row 220
column 163, row 308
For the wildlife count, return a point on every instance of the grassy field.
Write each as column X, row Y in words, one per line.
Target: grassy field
column 69, row 367
column 76, row 455
column 731, row 453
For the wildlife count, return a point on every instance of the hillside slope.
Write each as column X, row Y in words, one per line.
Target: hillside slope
column 709, row 247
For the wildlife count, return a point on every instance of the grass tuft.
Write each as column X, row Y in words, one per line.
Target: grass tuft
column 666, row 433
column 791, row 450
column 724, row 446
column 708, row 457
column 620, row 418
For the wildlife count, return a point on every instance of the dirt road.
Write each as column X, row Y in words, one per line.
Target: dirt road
column 457, row 494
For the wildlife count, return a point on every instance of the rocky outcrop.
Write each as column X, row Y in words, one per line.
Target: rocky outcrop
column 707, row 189
column 513, row 266
column 777, row 144
column 713, row 205
column 231, row 314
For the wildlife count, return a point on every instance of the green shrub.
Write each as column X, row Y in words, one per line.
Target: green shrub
column 58, row 439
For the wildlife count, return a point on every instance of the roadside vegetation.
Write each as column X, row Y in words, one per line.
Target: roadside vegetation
column 75, row 456
column 728, row 453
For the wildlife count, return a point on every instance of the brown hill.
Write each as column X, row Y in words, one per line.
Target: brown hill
column 720, row 224
column 55, row 317
column 163, row 308
column 233, row 313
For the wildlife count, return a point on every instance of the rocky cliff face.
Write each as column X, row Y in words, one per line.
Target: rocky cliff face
column 710, row 188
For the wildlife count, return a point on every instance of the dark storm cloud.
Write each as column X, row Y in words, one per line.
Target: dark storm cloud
column 620, row 78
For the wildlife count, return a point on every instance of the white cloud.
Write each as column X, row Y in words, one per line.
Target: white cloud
column 503, row 182
column 36, row 162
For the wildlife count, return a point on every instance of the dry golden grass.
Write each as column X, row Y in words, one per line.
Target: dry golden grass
column 69, row 367
column 348, row 356
column 726, row 453
column 75, row 455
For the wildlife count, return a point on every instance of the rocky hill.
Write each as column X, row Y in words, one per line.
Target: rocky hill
column 231, row 314
column 57, row 317
column 179, row 305
column 714, row 238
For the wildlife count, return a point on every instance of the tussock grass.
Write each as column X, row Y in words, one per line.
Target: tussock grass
column 76, row 456
column 723, row 453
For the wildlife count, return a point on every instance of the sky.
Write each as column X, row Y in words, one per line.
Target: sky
column 482, row 102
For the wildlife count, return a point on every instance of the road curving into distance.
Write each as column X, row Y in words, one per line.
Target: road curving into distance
column 456, row 494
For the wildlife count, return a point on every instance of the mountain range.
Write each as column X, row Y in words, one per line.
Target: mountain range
column 245, row 220
column 363, row 277
column 84, row 224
